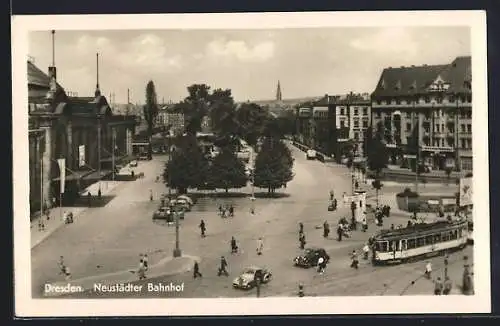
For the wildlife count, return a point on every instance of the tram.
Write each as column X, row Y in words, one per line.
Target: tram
column 419, row 240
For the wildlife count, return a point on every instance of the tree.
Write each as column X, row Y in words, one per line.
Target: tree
column 251, row 120
column 227, row 171
column 222, row 113
column 195, row 107
column 188, row 167
column 150, row 112
column 367, row 140
column 377, row 155
column 273, row 165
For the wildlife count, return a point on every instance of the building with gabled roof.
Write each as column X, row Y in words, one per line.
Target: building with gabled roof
column 425, row 114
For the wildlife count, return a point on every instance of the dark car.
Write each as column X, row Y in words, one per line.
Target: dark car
column 310, row 257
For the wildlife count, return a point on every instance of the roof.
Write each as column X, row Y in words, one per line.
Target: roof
column 404, row 81
column 37, row 77
column 417, row 229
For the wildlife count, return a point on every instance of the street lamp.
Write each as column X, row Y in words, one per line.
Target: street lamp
column 177, row 251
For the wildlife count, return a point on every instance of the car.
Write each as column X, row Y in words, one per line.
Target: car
column 133, row 163
column 248, row 278
column 310, row 257
column 182, row 204
column 311, row 154
column 163, row 213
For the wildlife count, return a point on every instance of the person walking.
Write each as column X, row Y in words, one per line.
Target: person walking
column 89, row 199
column 301, row 228
column 339, row 232
column 326, row 229
column 196, row 270
column 364, row 224
column 302, row 241
column 150, row 195
column 64, row 270
column 231, row 211
column 223, row 267
column 234, row 246
column 366, row 251
column 202, row 228
column 332, row 195
column 301, row 290
column 438, row 286
column 145, row 261
column 260, row 246
column 321, row 268
column 141, row 272
column 428, row 270
column 354, row 260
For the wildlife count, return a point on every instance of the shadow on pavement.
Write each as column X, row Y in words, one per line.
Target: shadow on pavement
column 271, row 195
column 95, row 202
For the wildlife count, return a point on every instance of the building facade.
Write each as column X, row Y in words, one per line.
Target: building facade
column 425, row 114
column 81, row 130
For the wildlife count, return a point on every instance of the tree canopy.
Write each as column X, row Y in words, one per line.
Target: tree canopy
column 150, row 111
column 376, row 151
column 273, row 165
column 195, row 107
column 251, row 120
column 227, row 171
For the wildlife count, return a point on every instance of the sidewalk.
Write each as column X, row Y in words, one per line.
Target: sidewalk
column 168, row 266
column 56, row 213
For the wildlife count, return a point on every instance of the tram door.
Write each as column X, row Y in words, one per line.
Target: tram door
column 404, row 252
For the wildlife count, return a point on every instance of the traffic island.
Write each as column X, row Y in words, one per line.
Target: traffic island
column 126, row 281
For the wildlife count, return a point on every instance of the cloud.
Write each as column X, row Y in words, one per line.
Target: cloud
column 241, row 50
column 392, row 41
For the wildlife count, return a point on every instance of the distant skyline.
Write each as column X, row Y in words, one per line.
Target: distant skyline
column 307, row 62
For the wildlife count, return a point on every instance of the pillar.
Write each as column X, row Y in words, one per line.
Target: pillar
column 128, row 142
column 69, row 150
column 48, row 165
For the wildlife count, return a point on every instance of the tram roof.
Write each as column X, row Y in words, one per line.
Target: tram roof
column 417, row 229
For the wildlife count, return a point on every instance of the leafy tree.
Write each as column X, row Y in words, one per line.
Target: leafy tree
column 150, row 112
column 251, row 120
column 367, row 140
column 377, row 154
column 273, row 165
column 187, row 167
column 377, row 185
column 227, row 171
column 195, row 107
column 223, row 116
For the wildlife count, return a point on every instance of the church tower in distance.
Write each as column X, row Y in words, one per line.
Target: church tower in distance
column 278, row 92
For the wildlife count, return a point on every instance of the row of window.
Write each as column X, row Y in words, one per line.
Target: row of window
column 428, row 99
column 441, row 128
column 412, row 243
column 355, row 111
column 463, row 114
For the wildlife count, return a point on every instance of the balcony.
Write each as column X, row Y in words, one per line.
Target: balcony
column 437, row 149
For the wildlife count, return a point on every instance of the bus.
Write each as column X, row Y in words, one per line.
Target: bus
column 419, row 240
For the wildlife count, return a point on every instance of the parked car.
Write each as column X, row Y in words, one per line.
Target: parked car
column 310, row 257
column 133, row 163
column 311, row 154
column 248, row 278
column 186, row 198
column 182, row 204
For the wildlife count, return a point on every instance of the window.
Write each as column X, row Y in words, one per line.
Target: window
column 420, row 242
column 381, row 246
column 469, row 98
column 437, row 128
column 408, row 127
column 379, row 102
column 356, row 136
column 378, row 115
column 469, row 128
column 462, row 127
column 355, row 111
column 445, row 236
column 342, row 111
column 429, row 239
column 365, row 124
column 427, row 99
column 460, row 233
column 411, row 243
column 451, row 99
column 438, row 113
column 408, row 114
column 454, row 235
column 365, row 111
column 468, row 114
column 439, row 99
column 398, row 101
column 442, row 142
column 356, row 123
column 342, row 124
column 469, row 143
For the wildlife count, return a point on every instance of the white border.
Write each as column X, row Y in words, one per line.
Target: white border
column 28, row 307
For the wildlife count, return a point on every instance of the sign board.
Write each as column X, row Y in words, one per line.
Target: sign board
column 81, row 155
column 465, row 191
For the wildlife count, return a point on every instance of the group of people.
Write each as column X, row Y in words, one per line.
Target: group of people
column 68, row 217
column 63, row 269
column 226, row 211
column 380, row 213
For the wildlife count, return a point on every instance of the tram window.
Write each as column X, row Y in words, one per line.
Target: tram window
column 454, row 235
column 420, row 242
column 460, row 233
column 404, row 245
column 445, row 236
column 391, row 246
column 411, row 243
column 382, row 246
column 437, row 238
column 428, row 240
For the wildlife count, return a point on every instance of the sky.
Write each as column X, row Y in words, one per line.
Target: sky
column 307, row 62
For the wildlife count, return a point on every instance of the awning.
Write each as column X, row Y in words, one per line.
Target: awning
column 95, row 175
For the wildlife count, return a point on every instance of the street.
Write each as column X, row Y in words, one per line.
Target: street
column 110, row 239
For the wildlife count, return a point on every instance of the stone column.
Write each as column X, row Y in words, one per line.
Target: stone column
column 48, row 164
column 70, row 150
column 128, row 141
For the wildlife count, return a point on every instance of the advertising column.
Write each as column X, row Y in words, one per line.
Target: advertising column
column 360, row 200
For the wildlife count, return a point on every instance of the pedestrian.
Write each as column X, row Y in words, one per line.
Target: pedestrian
column 202, row 228
column 339, row 232
column 334, row 204
column 356, row 185
column 366, row 251
column 392, row 226
column 223, row 267
column 150, row 195
column 365, row 224
column 326, row 229
column 321, row 268
column 301, row 290
column 438, row 286
column 302, row 241
column 196, row 270
column 409, row 224
column 89, row 199
column 141, row 272
column 41, row 224
column 354, row 260
column 220, row 210
column 234, row 246
column 260, row 246
column 145, row 261
column 447, row 286
column 301, row 228
column 64, row 270
column 344, row 198
column 428, row 270
column 99, row 194
column 353, row 210
column 231, row 211
column 47, row 213
column 331, row 195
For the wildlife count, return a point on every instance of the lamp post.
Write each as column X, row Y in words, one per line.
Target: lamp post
column 446, row 267
column 177, row 251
